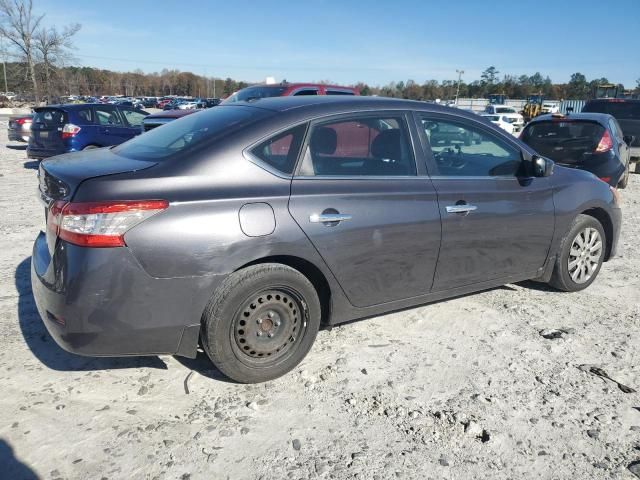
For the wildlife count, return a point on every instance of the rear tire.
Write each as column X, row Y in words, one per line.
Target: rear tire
column 581, row 255
column 624, row 181
column 261, row 322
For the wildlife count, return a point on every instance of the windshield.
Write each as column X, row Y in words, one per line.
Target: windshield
column 505, row 110
column 620, row 110
column 188, row 133
column 254, row 93
column 564, row 142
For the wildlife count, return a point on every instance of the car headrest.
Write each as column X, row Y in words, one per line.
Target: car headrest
column 324, row 140
column 387, row 145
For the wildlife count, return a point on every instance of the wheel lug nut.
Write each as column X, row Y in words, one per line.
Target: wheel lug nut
column 259, row 334
column 270, row 314
column 277, row 323
column 259, row 321
column 270, row 335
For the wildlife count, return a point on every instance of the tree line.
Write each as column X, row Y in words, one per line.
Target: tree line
column 42, row 60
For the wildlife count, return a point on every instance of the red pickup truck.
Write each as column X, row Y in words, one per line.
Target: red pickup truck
column 288, row 89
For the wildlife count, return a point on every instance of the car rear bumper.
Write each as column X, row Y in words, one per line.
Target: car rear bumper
column 42, row 153
column 100, row 302
column 17, row 135
column 616, row 221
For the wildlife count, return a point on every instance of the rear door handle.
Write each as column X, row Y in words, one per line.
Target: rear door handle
column 328, row 217
column 465, row 208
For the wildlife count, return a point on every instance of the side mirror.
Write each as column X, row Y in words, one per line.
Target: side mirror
column 628, row 139
column 542, row 167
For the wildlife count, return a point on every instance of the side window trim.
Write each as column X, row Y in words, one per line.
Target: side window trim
column 428, row 152
column 404, row 115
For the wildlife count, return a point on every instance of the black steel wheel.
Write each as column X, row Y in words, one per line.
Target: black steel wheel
column 261, row 322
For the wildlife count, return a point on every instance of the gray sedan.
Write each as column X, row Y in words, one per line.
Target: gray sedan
column 248, row 226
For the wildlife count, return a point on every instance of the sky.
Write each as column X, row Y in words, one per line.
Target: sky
column 347, row 41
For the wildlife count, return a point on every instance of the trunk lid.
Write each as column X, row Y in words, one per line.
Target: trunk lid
column 60, row 177
column 46, row 129
column 568, row 142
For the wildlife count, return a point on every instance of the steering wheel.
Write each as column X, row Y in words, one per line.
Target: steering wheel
column 449, row 159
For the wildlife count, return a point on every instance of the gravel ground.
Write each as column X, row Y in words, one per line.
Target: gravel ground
column 467, row 388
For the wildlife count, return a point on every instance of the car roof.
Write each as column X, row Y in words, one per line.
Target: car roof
column 327, row 104
column 602, row 118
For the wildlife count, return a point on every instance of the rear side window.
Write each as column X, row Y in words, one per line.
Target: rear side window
column 85, row 115
column 107, row 116
column 134, row 119
column 306, row 91
column 339, row 92
column 366, row 146
column 50, row 117
column 280, row 152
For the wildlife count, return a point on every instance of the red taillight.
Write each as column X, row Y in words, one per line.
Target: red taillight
column 22, row 121
column 100, row 224
column 605, row 143
column 605, row 179
column 70, row 130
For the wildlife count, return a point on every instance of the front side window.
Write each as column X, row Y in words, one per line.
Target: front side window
column 366, row 146
column 281, row 151
column 463, row 149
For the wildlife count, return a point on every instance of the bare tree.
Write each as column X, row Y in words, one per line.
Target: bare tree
column 18, row 25
column 53, row 49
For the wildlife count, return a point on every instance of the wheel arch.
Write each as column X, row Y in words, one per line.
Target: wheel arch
column 309, row 270
column 603, row 217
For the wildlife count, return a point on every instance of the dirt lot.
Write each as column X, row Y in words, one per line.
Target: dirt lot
column 466, row 388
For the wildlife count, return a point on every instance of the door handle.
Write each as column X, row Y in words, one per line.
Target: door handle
column 464, row 208
column 328, row 217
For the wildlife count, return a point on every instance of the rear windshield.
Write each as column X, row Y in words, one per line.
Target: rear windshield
column 620, row 110
column 563, row 142
column 49, row 117
column 254, row 93
column 505, row 110
column 188, row 133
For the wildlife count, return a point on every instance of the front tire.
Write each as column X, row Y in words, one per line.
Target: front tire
column 261, row 322
column 581, row 256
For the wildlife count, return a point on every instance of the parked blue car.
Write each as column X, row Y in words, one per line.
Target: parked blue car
column 58, row 129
